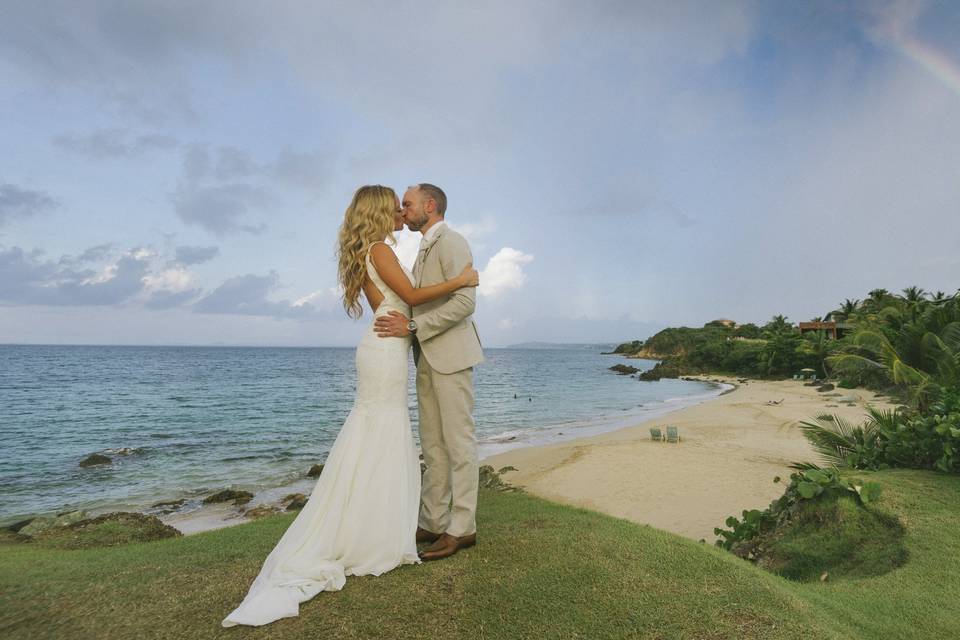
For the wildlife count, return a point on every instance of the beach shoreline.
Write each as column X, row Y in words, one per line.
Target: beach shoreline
column 731, row 449
column 732, row 445
column 216, row 516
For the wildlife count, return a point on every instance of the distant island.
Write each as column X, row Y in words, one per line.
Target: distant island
column 562, row 345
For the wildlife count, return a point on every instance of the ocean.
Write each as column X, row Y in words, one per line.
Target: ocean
column 182, row 422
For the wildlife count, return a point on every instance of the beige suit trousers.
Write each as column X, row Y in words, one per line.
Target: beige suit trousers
column 448, row 500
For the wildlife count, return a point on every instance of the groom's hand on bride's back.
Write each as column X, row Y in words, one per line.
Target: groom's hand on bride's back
column 393, row 325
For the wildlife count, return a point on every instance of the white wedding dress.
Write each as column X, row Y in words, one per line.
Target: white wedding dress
column 361, row 518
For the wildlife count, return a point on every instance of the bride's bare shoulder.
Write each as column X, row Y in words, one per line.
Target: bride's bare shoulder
column 382, row 254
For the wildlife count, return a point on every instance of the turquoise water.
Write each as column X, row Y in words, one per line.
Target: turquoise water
column 184, row 421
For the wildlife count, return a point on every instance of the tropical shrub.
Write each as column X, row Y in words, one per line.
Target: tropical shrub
column 813, row 483
column 892, row 438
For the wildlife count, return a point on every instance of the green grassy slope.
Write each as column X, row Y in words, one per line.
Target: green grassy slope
column 539, row 571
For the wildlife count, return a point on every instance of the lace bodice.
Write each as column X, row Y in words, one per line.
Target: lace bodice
column 391, row 301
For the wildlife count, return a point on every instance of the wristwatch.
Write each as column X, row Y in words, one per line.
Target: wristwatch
column 412, row 326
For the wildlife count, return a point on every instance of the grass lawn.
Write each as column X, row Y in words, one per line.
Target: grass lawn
column 540, row 571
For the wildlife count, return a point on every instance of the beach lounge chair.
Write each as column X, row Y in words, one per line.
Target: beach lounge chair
column 796, row 376
column 656, row 434
column 673, row 435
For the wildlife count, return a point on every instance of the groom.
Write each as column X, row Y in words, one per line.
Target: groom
column 446, row 347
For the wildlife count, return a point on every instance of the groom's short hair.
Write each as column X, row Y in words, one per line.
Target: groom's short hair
column 436, row 193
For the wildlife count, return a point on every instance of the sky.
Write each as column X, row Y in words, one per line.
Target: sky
column 176, row 172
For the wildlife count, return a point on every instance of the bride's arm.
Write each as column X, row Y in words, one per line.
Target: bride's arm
column 385, row 260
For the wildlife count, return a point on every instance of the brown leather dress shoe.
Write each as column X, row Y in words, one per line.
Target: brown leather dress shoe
column 447, row 545
column 426, row 536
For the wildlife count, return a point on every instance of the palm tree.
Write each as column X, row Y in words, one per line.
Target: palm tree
column 849, row 307
column 778, row 324
column 818, row 345
column 919, row 352
column 877, row 300
column 916, row 299
column 914, row 295
column 841, row 444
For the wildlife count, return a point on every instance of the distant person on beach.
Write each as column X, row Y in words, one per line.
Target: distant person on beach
column 446, row 347
column 361, row 518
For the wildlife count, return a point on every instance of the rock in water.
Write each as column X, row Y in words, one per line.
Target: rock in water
column 624, row 369
column 238, row 497
column 168, row 506
column 95, row 459
column 315, row 471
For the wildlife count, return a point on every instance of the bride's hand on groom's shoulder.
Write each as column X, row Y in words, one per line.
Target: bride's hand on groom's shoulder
column 470, row 277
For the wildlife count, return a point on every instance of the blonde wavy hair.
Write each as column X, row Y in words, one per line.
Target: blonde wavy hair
column 368, row 219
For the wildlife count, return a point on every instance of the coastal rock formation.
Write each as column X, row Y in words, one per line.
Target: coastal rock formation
column 260, row 511
column 95, row 459
column 624, row 369
column 39, row 525
column 661, row 370
column 17, row 526
column 168, row 506
column 296, row 501
column 315, row 471
column 107, row 530
column 238, row 497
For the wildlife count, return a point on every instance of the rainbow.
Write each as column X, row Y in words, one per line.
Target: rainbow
column 931, row 60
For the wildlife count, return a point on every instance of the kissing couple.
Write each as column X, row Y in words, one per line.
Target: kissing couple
column 370, row 507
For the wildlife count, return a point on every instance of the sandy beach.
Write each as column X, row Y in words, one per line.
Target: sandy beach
column 731, row 448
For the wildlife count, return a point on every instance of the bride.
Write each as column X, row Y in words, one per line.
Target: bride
column 361, row 518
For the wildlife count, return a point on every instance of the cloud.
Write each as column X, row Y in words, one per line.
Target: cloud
column 220, row 209
column 16, row 202
column 25, row 278
column 322, row 299
column 504, row 271
column 114, row 143
column 196, row 255
column 248, row 295
column 224, row 186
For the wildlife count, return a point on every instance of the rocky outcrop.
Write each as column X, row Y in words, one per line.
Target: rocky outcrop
column 624, row 369
column 661, row 370
column 295, row 501
column 168, row 506
column 95, row 459
column 315, row 471
column 229, row 495
column 260, row 511
column 107, row 530
column 41, row 524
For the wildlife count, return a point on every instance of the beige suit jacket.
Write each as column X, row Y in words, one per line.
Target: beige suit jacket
column 446, row 334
